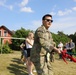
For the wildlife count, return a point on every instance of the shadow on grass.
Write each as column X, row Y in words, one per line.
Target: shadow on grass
column 16, row 68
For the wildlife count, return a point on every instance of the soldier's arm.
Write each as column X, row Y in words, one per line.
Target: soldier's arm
column 57, row 50
column 43, row 41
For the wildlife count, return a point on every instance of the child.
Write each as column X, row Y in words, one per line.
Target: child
column 65, row 54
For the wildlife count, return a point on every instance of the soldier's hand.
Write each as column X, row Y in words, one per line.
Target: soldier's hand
column 56, row 49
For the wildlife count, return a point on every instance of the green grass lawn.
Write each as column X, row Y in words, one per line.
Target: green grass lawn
column 10, row 64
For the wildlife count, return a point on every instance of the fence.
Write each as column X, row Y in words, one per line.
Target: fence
column 1, row 40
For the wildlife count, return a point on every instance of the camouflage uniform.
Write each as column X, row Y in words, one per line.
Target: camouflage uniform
column 43, row 43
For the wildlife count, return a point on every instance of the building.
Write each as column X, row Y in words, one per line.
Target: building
column 5, row 34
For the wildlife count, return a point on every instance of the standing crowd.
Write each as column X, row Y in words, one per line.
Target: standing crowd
column 26, row 47
column 39, row 46
column 69, row 46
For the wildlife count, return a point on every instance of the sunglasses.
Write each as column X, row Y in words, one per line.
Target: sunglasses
column 48, row 20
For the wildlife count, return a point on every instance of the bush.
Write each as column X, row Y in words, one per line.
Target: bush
column 5, row 49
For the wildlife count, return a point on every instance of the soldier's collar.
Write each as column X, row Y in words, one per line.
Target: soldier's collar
column 45, row 28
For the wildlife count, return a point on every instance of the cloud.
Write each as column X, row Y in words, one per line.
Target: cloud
column 34, row 25
column 26, row 9
column 65, row 24
column 23, row 7
column 3, row 4
column 24, row 3
column 10, row 7
column 75, row 0
column 74, row 8
column 61, row 24
column 52, row 13
column 62, row 13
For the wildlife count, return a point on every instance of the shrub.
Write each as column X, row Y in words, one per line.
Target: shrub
column 5, row 49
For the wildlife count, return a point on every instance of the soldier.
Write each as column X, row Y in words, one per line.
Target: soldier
column 43, row 44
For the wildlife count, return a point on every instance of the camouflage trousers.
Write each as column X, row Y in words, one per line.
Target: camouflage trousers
column 42, row 66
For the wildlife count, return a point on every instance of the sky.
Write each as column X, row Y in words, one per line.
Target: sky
column 28, row 14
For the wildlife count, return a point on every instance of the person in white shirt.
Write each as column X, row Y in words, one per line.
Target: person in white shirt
column 29, row 44
column 60, row 46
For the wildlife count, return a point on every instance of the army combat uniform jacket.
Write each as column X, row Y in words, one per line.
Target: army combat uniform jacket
column 43, row 43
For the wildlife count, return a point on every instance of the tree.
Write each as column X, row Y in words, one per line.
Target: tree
column 60, row 37
column 21, row 33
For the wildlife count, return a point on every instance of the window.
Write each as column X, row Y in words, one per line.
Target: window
column 5, row 33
